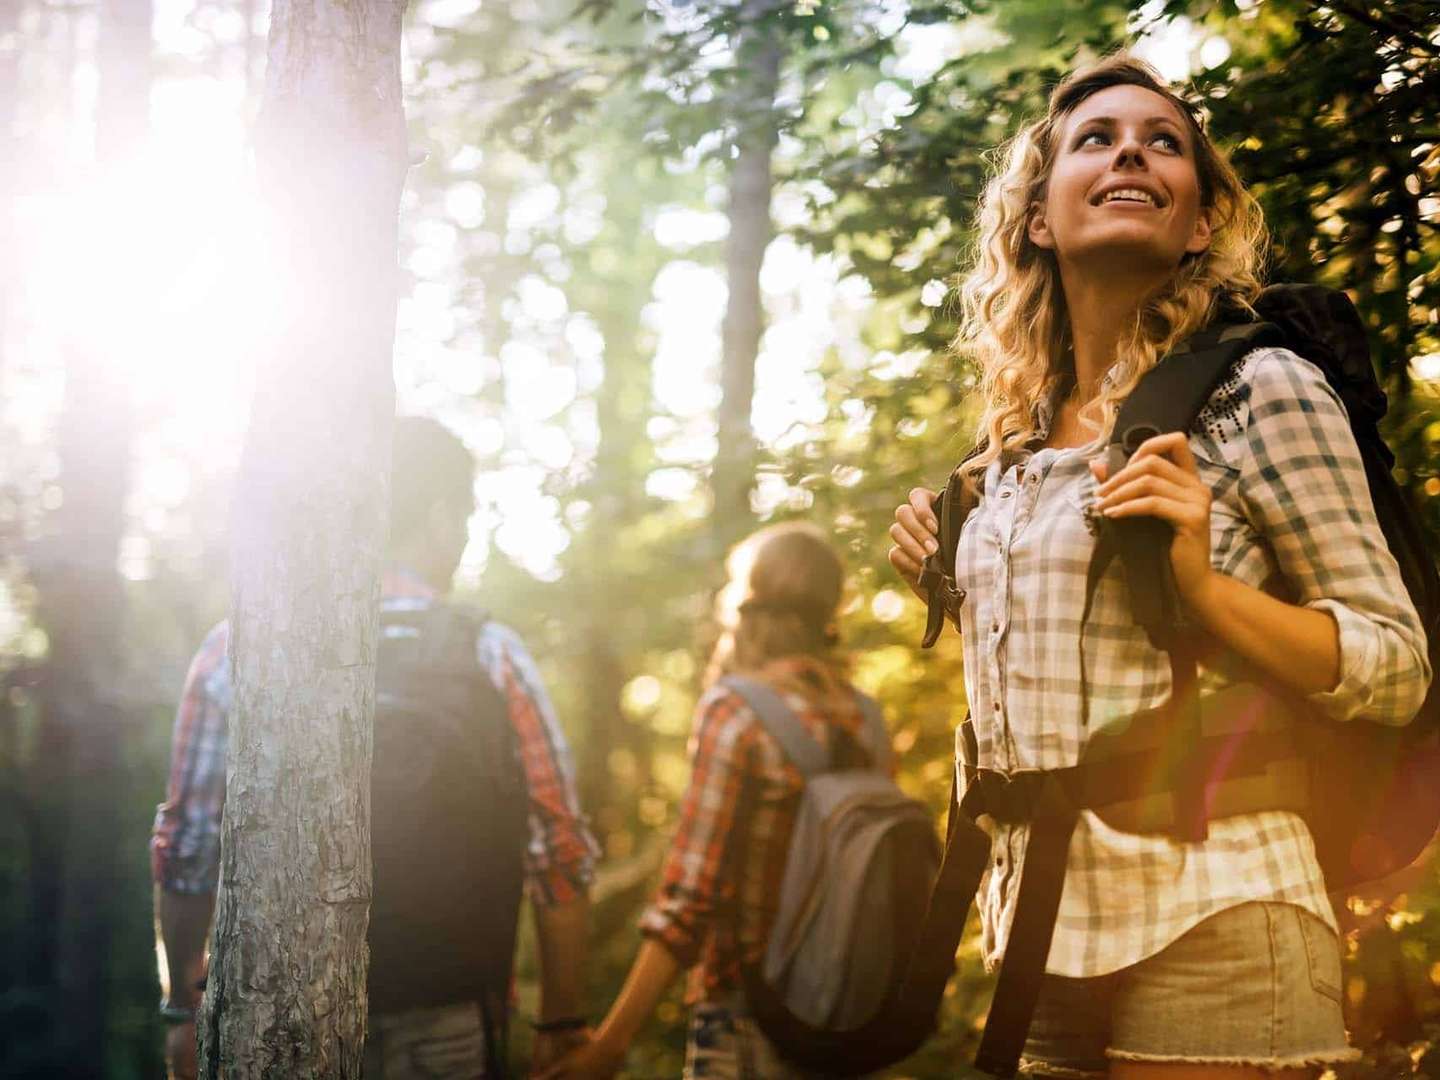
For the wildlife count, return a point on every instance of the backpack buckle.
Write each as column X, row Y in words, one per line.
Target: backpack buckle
column 945, row 599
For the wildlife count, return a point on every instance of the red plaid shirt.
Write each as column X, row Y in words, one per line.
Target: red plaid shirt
column 185, row 843
column 720, row 886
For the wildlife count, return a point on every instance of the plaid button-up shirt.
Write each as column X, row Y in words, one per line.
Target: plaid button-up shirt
column 720, row 886
column 1291, row 515
column 185, row 843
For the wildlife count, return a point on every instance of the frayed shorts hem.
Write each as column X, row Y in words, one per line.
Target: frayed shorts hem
column 1042, row 1069
column 1269, row 1064
column 1056, row 1072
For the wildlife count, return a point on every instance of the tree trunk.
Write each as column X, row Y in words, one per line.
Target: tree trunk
column 286, row 995
column 82, row 606
column 758, row 55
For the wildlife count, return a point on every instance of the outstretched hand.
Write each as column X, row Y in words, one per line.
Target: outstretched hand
column 914, row 532
column 594, row 1060
column 1161, row 480
column 551, row 1047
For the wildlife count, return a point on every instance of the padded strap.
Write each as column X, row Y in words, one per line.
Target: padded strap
column 806, row 753
column 1042, row 878
column 876, row 735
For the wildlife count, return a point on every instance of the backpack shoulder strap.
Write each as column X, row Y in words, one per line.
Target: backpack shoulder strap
column 937, row 576
column 1169, row 398
column 806, row 753
column 877, row 737
column 1172, row 394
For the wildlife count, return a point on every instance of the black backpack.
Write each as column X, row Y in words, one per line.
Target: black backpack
column 1370, row 793
column 448, row 824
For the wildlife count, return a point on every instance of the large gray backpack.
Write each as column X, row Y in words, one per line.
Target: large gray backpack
column 862, row 858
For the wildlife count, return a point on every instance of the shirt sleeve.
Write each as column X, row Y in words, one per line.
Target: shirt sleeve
column 694, row 883
column 185, row 840
column 560, row 856
column 1303, row 486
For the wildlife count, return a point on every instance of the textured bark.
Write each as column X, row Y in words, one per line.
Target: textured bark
column 758, row 53
column 286, row 995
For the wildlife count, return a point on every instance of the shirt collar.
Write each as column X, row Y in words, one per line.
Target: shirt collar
column 400, row 582
column 1044, row 411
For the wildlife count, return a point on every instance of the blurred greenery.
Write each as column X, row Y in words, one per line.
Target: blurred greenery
column 559, row 147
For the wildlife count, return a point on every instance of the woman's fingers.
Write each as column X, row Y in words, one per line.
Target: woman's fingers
column 1149, row 465
column 1176, row 511
column 906, row 566
column 914, row 533
column 909, row 537
column 1144, row 485
column 922, row 502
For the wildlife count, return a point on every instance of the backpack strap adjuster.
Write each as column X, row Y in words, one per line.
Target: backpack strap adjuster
column 945, row 599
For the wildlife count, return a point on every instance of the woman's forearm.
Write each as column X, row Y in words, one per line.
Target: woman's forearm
column 651, row 974
column 1298, row 646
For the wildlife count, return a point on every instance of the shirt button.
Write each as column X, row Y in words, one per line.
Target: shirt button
column 1005, row 494
column 999, row 862
column 995, row 628
column 997, row 706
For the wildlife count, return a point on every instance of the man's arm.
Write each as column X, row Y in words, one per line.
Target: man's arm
column 185, row 845
column 182, row 921
column 562, row 931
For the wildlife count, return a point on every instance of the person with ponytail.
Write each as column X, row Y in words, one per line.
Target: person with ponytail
column 1112, row 231
column 720, row 884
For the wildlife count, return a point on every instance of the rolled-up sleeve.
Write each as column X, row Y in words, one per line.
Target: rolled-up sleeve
column 694, row 884
column 185, row 840
column 1304, row 487
column 560, row 856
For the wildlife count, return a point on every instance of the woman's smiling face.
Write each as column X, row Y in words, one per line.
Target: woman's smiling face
column 1123, row 185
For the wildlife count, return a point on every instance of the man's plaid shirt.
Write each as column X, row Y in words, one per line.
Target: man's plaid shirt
column 185, row 844
column 720, row 886
column 1291, row 515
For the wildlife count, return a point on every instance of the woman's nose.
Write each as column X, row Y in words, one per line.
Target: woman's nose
column 1130, row 151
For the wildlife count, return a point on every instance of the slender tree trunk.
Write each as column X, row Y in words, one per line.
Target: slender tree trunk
column 286, row 995
column 758, row 54
column 622, row 408
column 82, row 603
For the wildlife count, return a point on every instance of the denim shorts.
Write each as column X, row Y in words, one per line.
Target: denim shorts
column 725, row 1043
column 1257, row 984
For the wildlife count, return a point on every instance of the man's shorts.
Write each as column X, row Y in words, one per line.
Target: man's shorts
column 1258, row 984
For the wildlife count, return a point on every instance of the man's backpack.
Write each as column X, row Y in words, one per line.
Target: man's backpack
column 448, row 824
column 862, row 859
column 1370, row 794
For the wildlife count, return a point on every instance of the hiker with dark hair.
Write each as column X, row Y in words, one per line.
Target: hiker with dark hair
column 1139, row 733
column 777, row 697
column 472, row 802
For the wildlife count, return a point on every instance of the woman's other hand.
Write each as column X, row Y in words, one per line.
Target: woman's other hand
column 1161, row 480
column 597, row 1059
column 551, row 1047
column 914, row 532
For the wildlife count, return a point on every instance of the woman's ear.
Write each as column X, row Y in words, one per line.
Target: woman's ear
column 1037, row 228
column 1200, row 238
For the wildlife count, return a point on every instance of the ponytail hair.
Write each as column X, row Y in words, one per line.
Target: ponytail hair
column 785, row 584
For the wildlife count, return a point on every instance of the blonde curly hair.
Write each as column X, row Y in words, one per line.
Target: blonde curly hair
column 1014, row 324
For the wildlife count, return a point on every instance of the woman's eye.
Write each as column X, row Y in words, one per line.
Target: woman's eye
column 1099, row 139
column 1170, row 142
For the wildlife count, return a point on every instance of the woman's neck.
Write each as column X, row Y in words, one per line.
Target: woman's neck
column 1100, row 306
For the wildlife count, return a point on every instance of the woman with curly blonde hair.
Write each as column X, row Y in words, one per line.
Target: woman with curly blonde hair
column 1113, row 231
